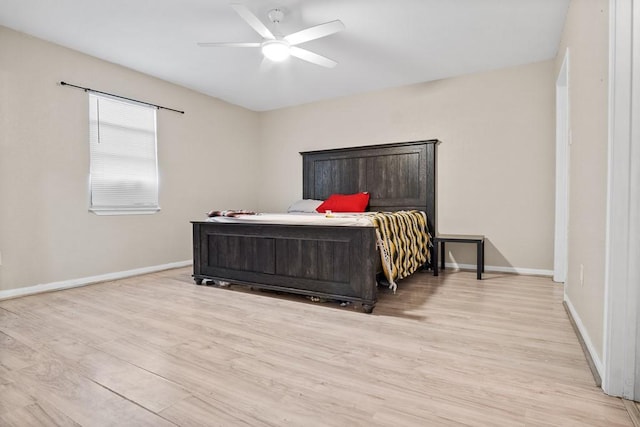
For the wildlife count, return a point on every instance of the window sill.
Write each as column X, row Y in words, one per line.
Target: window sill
column 125, row 211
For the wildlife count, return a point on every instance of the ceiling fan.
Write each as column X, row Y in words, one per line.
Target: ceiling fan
column 278, row 48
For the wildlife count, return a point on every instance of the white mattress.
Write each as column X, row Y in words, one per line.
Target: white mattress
column 335, row 219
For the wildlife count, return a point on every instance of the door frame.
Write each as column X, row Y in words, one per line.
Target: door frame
column 622, row 271
column 563, row 139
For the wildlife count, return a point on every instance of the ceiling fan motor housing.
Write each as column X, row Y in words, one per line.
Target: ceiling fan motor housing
column 275, row 15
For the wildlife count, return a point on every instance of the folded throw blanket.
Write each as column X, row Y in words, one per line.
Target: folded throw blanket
column 403, row 239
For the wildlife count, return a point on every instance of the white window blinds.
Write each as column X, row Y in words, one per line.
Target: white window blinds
column 124, row 167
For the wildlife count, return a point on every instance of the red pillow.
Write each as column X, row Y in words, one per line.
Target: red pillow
column 345, row 203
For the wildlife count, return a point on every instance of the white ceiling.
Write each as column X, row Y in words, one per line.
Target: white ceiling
column 385, row 44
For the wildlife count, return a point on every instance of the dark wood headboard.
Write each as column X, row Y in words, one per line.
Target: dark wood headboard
column 398, row 176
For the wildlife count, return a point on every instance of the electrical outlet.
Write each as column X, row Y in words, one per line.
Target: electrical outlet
column 581, row 274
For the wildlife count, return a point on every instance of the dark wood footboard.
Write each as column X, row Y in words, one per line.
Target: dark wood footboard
column 327, row 262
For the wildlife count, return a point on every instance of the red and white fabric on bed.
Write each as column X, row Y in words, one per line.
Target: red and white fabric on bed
column 336, row 219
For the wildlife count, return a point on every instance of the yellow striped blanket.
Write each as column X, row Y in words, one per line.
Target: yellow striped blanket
column 403, row 240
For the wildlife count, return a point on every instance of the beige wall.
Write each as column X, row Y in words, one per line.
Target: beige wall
column 495, row 164
column 495, row 176
column 586, row 34
column 46, row 231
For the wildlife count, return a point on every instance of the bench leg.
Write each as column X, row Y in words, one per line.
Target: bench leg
column 442, row 256
column 480, row 260
column 434, row 260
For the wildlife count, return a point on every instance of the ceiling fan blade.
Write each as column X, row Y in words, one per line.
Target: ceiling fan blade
column 314, row 58
column 253, row 21
column 312, row 33
column 223, row 44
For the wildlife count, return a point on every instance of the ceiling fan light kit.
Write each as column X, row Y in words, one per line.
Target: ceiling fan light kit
column 278, row 49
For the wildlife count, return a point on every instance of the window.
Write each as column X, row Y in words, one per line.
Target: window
column 123, row 165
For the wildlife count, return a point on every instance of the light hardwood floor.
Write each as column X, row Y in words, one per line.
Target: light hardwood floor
column 158, row 350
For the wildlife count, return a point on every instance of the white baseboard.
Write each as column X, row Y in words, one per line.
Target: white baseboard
column 83, row 281
column 585, row 337
column 73, row 283
column 498, row 269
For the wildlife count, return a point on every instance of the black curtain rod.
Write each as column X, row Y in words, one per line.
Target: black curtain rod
column 86, row 89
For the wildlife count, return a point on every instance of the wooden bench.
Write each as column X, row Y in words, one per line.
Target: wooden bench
column 441, row 239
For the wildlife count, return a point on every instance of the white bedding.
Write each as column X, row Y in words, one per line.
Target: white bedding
column 335, row 219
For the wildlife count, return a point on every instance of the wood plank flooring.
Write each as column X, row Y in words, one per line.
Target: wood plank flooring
column 158, row 350
column 633, row 408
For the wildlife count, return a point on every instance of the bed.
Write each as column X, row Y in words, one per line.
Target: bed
column 322, row 261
